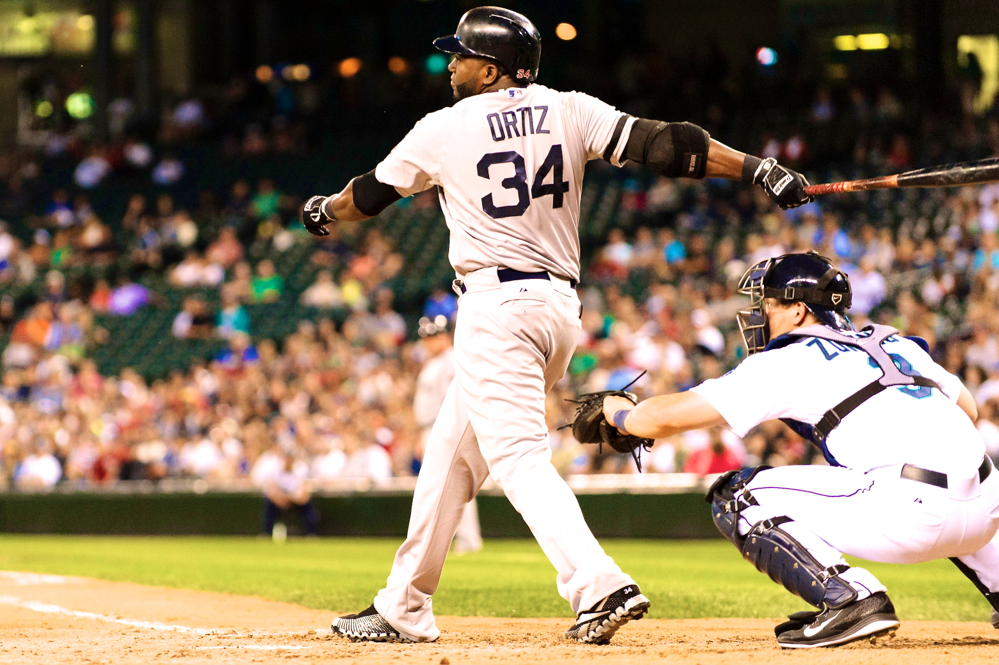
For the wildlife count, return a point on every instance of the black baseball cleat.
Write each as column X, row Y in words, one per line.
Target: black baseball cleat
column 995, row 619
column 871, row 617
column 368, row 626
column 796, row 621
column 598, row 624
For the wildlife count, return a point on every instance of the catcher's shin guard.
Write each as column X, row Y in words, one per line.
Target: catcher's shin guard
column 728, row 496
column 775, row 552
column 771, row 549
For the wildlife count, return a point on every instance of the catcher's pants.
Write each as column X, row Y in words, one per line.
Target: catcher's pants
column 883, row 517
column 513, row 341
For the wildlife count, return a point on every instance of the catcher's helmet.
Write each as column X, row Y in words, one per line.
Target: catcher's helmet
column 806, row 277
column 501, row 35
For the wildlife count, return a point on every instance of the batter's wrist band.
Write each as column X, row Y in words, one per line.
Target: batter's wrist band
column 327, row 209
column 618, row 419
column 749, row 167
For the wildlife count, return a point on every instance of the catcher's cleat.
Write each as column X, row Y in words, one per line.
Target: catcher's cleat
column 368, row 626
column 598, row 624
column 995, row 619
column 869, row 618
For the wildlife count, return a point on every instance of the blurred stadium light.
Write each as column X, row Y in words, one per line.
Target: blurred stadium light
column 984, row 49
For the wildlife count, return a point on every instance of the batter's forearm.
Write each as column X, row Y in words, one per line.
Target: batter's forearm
column 728, row 163
column 341, row 206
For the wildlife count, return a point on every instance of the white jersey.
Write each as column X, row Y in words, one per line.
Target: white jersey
column 510, row 167
column 431, row 387
column 802, row 381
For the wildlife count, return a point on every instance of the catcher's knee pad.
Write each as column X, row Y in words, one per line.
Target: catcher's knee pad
column 728, row 496
column 775, row 552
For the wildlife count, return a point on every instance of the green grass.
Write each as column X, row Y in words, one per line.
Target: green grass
column 684, row 579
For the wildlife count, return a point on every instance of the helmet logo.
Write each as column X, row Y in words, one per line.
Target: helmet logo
column 523, row 74
column 837, row 298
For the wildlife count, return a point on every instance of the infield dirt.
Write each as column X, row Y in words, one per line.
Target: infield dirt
column 55, row 619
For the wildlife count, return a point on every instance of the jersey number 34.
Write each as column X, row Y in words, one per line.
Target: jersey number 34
column 518, row 182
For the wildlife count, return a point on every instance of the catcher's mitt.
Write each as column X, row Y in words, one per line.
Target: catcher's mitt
column 590, row 425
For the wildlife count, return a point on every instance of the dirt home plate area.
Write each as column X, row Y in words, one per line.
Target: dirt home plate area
column 57, row 619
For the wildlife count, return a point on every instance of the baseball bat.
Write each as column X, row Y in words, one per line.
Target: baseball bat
column 949, row 175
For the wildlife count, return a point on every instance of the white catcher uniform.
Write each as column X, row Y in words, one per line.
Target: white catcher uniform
column 431, row 388
column 509, row 167
column 862, row 506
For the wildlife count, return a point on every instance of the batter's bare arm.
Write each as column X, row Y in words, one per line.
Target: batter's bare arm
column 684, row 150
column 662, row 416
column 362, row 198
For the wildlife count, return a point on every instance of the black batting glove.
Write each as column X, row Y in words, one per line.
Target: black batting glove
column 315, row 218
column 785, row 187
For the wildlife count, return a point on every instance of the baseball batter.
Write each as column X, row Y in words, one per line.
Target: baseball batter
column 908, row 479
column 507, row 160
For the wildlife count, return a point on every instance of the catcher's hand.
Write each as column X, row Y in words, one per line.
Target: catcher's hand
column 314, row 217
column 591, row 426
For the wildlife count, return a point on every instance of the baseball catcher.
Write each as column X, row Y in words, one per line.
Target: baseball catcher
column 908, row 479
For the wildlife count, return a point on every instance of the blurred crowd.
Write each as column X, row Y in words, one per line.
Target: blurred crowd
column 335, row 398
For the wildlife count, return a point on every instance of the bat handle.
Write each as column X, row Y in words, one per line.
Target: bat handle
column 831, row 188
column 883, row 182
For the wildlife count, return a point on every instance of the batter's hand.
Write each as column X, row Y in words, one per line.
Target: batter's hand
column 785, row 187
column 315, row 218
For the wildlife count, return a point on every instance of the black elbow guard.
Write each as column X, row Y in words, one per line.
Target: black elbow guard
column 371, row 196
column 672, row 149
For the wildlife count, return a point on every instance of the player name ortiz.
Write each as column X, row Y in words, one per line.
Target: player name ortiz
column 879, row 408
column 507, row 162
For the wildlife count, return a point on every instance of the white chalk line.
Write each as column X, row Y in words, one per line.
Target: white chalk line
column 48, row 608
column 33, row 579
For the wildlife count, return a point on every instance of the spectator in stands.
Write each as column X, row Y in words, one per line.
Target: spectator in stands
column 195, row 271
column 713, row 458
column 365, row 458
column 232, row 318
column 674, row 251
column 226, row 250
column 8, row 314
column 266, row 201
column 240, row 287
column 39, row 469
column 169, row 171
column 193, row 321
column 100, row 298
column 97, row 242
column 385, row 325
column 441, row 303
column 128, row 298
column 324, row 293
column 869, row 287
column 267, row 285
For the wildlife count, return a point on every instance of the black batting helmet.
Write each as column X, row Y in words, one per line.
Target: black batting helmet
column 808, row 278
column 501, row 35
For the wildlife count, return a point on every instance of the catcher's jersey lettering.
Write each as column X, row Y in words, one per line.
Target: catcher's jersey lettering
column 802, row 381
column 517, row 123
column 510, row 165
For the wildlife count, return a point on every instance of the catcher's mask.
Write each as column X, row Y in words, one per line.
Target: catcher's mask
column 808, row 278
